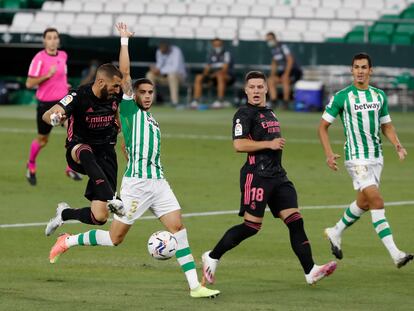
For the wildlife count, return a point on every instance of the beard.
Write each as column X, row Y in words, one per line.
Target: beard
column 105, row 94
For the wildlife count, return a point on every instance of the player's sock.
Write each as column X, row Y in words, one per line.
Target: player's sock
column 233, row 237
column 84, row 215
column 90, row 238
column 351, row 215
column 34, row 151
column 185, row 259
column 384, row 231
column 95, row 173
column 299, row 241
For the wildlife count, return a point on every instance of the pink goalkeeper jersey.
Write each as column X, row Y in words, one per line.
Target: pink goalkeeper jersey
column 56, row 87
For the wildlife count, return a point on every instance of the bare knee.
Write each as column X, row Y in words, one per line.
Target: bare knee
column 377, row 203
column 43, row 140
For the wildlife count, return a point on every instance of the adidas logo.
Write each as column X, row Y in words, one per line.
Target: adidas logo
column 89, row 109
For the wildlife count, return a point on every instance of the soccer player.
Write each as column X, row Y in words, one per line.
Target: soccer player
column 92, row 113
column 48, row 72
column 263, row 181
column 364, row 113
column 143, row 185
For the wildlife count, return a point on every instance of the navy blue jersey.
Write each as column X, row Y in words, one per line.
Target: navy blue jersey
column 91, row 120
column 279, row 54
column 259, row 124
column 217, row 60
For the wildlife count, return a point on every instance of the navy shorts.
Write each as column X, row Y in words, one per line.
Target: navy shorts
column 278, row 193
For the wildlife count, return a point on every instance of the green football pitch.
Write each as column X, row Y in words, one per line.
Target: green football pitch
column 203, row 170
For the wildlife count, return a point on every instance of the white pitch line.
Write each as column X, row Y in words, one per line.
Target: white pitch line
column 197, row 137
column 214, row 213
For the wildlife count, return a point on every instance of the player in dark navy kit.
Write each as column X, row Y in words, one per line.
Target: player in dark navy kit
column 263, row 181
column 92, row 114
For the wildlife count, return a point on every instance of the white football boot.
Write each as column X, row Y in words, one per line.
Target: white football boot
column 56, row 221
column 209, row 267
column 335, row 241
column 319, row 272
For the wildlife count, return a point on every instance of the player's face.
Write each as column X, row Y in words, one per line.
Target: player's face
column 144, row 95
column 51, row 41
column 361, row 72
column 110, row 87
column 256, row 90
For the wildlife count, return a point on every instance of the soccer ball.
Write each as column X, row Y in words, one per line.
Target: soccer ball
column 162, row 245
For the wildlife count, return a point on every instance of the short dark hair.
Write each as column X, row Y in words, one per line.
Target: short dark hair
column 216, row 39
column 362, row 56
column 254, row 75
column 109, row 70
column 49, row 29
column 138, row 82
column 272, row 34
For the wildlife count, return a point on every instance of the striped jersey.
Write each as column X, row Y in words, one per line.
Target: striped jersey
column 362, row 112
column 142, row 140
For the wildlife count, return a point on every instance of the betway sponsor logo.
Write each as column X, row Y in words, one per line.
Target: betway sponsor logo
column 367, row 106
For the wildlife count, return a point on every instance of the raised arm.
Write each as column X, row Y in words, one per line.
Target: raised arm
column 124, row 62
column 389, row 131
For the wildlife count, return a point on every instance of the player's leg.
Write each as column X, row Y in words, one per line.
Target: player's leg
column 166, row 207
column 198, row 90
column 252, row 207
column 43, row 131
column 174, row 85
column 272, row 83
column 283, row 204
column 382, row 227
column 113, row 237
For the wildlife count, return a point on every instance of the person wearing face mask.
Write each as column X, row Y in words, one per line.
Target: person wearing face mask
column 284, row 70
column 168, row 70
column 219, row 70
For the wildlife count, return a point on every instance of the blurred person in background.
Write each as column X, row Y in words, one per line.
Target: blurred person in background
column 284, row 70
column 169, row 69
column 47, row 72
column 218, row 71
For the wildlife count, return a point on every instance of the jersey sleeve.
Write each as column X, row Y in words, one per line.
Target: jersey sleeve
column 69, row 102
column 127, row 106
column 384, row 114
column 35, row 67
column 241, row 125
column 334, row 107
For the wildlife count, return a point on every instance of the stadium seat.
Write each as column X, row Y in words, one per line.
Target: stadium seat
column 170, row 21
column 217, row 9
column 332, row 4
column 248, row 34
column 398, row 5
column 266, row 2
column 22, row 20
column 162, row 31
column 313, row 36
column 248, row 2
column 177, row 8
column 239, row 10
column 199, row 9
column 134, row 8
column 340, row 26
column 104, row 19
column 304, row 12
column 282, row 11
column 149, row 20
column 52, row 6
column 37, row 27
column 72, row 6
column 229, row 22
column 205, row 33
column 326, row 13
column 310, row 3
column 374, row 4
column 403, row 35
column 141, row 30
column 346, row 13
column 275, row 25
column 292, row 3
column 183, row 32
column 156, row 8
column 297, row 25
column 352, row 4
column 408, row 12
column 47, row 18
column 260, row 11
column 65, row 18
column 291, row 36
column 85, row 19
column 93, row 7
column 368, row 14
column 129, row 19
column 211, row 22
column 78, row 30
column 4, row 28
column 381, row 33
column 252, row 23
column 190, row 21
column 226, row 33
column 357, row 35
column 114, row 7
column 318, row 25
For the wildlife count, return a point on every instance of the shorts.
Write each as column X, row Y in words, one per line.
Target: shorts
column 42, row 127
column 365, row 173
column 107, row 161
column 213, row 80
column 295, row 74
column 139, row 195
column 278, row 193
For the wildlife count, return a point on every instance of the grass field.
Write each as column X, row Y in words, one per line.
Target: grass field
column 200, row 164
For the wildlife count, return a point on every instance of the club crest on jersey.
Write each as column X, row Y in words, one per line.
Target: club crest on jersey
column 114, row 106
column 66, row 100
column 238, row 128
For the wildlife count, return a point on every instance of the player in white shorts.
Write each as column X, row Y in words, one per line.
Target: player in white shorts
column 364, row 113
column 143, row 185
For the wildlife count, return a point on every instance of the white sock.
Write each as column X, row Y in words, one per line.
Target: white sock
column 351, row 215
column 90, row 238
column 186, row 259
column 384, row 231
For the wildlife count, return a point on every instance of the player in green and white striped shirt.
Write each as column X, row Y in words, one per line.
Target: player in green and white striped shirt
column 364, row 112
column 143, row 185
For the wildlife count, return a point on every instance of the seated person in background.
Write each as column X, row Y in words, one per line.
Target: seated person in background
column 219, row 70
column 284, row 70
column 88, row 74
column 169, row 69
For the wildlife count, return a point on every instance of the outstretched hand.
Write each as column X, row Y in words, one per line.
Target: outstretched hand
column 123, row 30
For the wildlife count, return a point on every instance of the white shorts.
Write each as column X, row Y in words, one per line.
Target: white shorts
column 138, row 195
column 365, row 173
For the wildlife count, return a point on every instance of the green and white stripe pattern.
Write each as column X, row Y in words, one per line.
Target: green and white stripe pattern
column 142, row 140
column 382, row 228
column 362, row 112
column 185, row 259
column 87, row 238
column 349, row 218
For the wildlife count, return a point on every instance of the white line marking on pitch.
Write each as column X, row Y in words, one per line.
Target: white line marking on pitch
column 39, row 224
